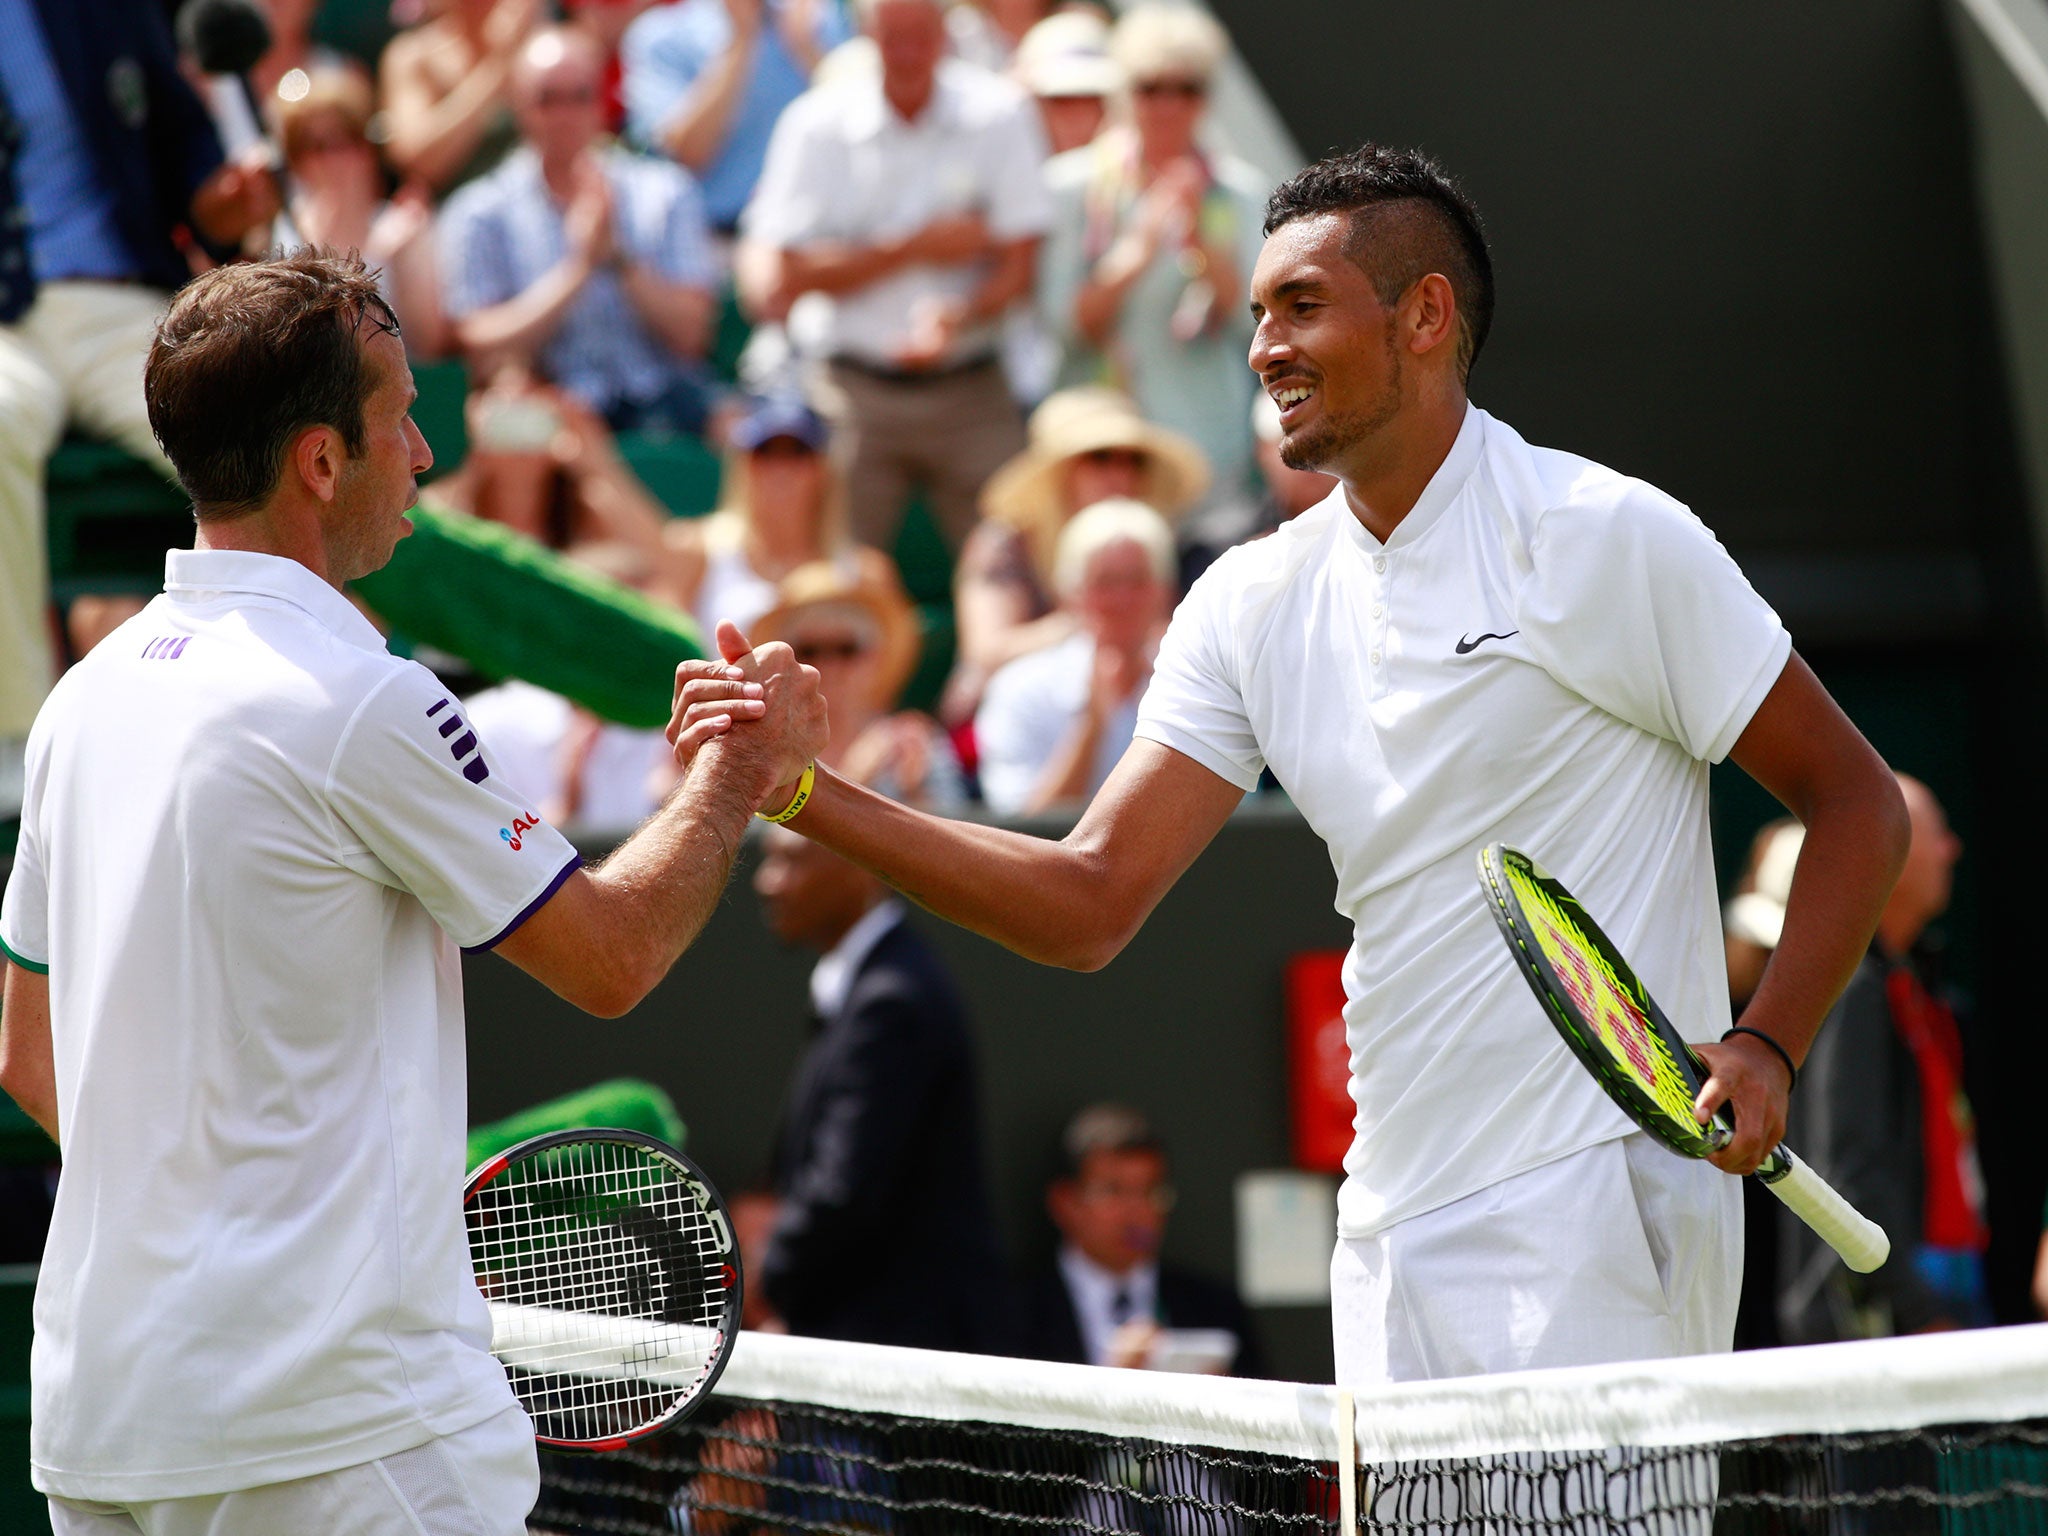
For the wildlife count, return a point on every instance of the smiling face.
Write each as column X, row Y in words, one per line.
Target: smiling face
column 1326, row 349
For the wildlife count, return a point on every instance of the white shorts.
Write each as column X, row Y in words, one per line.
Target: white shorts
column 1623, row 1251
column 481, row 1481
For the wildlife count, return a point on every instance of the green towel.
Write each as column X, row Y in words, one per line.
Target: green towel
column 624, row 1104
column 511, row 607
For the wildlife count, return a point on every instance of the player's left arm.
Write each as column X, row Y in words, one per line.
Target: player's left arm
column 27, row 1070
column 1803, row 749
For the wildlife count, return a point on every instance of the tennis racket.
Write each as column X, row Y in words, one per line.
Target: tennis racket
column 1622, row 1037
column 613, row 1280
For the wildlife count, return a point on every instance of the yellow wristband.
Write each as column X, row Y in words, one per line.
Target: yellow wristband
column 804, row 784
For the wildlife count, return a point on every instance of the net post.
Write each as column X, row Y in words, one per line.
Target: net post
column 1345, row 1422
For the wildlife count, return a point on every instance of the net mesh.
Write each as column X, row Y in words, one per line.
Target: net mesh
column 605, row 1263
column 992, row 1446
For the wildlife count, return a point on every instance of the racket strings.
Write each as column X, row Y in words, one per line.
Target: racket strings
column 1609, row 1007
column 615, row 1275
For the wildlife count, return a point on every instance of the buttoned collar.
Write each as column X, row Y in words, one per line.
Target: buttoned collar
column 195, row 573
column 1442, row 490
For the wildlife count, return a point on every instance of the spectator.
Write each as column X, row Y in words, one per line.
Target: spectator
column 705, row 81
column 1755, row 914
column 1087, row 445
column 291, row 48
column 1881, row 1107
column 338, row 201
column 1153, row 241
column 882, row 1130
column 910, row 200
column 578, row 769
column 1064, row 63
column 97, row 188
column 542, row 463
column 862, row 636
column 1282, row 495
column 443, row 85
column 1106, row 1299
column 608, row 21
column 590, row 262
column 1055, row 722
column 783, row 506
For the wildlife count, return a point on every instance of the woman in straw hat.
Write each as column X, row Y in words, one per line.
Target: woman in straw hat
column 1142, row 277
column 863, row 637
column 1086, row 445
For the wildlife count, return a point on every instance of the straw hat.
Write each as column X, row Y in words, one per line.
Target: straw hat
column 1758, row 915
column 824, row 589
column 1029, row 493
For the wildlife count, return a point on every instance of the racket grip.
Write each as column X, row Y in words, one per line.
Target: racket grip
column 1860, row 1241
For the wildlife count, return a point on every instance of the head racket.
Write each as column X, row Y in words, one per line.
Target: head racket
column 613, row 1280
column 1619, row 1034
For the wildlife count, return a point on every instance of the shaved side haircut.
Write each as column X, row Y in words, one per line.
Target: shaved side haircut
column 1407, row 220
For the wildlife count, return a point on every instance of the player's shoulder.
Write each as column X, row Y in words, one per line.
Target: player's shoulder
column 1257, row 567
column 1548, row 494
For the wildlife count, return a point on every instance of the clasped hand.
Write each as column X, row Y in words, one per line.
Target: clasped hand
column 767, row 691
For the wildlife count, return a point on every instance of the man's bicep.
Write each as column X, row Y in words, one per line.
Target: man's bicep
column 1158, row 809
column 1799, row 744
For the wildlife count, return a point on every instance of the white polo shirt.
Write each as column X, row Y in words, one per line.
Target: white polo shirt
column 845, row 165
column 1546, row 653
column 252, row 842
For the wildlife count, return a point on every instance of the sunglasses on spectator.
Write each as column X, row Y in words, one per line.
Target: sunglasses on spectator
column 784, row 448
column 832, row 648
column 566, row 96
column 1191, row 90
column 1134, row 457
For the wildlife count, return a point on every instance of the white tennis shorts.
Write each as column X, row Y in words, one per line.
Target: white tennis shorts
column 1623, row 1251
column 481, row 1481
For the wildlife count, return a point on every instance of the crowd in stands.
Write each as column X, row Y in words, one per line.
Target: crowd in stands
column 916, row 226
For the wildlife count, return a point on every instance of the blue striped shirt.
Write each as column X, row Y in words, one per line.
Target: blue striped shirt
column 502, row 232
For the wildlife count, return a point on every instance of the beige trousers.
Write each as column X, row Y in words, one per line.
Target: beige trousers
column 945, row 435
column 76, row 356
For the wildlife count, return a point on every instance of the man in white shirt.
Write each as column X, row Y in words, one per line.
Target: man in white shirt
column 908, row 198
column 251, row 844
column 1471, row 639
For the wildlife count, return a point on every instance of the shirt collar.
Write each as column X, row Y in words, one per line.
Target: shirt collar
column 868, row 112
column 196, row 572
column 1442, row 490
column 832, row 979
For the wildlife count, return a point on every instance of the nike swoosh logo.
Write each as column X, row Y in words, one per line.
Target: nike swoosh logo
column 1466, row 647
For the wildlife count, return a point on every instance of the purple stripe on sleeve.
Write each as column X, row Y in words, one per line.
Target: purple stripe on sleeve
column 475, row 770
column 575, row 863
column 464, row 746
column 451, row 725
column 436, row 709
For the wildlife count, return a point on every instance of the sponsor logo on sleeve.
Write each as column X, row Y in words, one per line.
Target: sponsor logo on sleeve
column 521, row 825
column 166, row 648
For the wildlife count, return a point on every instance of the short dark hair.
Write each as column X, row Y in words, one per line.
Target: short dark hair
column 251, row 355
column 1105, row 1128
column 1408, row 219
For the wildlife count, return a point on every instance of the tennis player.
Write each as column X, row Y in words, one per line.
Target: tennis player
column 1471, row 639
column 252, row 844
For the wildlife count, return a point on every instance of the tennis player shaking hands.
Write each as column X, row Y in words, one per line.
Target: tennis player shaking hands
column 253, row 844
column 1472, row 639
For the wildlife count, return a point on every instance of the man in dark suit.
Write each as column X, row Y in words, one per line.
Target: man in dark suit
column 883, row 1230
column 1105, row 1299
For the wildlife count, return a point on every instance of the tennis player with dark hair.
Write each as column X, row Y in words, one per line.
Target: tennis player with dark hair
column 1470, row 640
column 252, row 844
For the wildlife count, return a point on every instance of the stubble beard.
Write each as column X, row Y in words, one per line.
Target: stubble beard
column 1324, row 445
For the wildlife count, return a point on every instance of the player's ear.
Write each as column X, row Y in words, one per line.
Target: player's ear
column 317, row 456
column 1429, row 315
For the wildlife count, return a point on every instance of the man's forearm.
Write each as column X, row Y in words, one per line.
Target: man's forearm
column 835, row 266
column 1008, row 281
column 1053, row 902
column 678, row 313
column 524, row 322
column 698, row 130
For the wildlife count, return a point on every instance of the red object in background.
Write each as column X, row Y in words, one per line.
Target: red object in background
column 1318, row 1061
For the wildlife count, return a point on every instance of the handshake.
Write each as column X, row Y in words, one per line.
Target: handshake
column 760, row 712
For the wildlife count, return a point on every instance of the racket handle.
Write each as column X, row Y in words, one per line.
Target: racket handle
column 1859, row 1240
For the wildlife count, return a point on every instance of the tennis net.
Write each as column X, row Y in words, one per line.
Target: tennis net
column 1943, row 1434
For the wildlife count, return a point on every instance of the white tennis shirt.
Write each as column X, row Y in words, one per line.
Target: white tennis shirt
column 252, row 842
column 1545, row 653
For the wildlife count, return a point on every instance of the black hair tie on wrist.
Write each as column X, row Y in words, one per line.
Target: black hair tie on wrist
column 1783, row 1054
